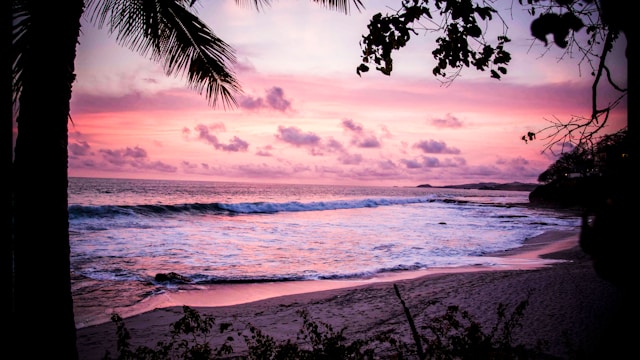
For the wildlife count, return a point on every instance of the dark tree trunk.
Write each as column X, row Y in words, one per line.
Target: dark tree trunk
column 43, row 301
column 7, row 173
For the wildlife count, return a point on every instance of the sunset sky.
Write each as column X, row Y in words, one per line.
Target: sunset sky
column 305, row 115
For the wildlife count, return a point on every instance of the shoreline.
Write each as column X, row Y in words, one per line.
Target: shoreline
column 568, row 303
column 525, row 257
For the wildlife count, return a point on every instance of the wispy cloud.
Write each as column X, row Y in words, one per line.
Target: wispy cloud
column 449, row 121
column 274, row 99
column 360, row 137
column 435, row 147
column 203, row 133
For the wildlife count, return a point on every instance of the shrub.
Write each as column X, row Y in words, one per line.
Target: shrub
column 451, row 335
column 189, row 340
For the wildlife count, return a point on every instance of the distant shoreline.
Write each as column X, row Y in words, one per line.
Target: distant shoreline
column 513, row 186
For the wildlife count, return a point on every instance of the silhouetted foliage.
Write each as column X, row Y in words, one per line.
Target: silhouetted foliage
column 462, row 42
column 603, row 188
column 603, row 158
column 463, row 27
column 455, row 334
column 315, row 340
column 189, row 340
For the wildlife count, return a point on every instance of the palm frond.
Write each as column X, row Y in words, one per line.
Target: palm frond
column 340, row 5
column 21, row 21
column 258, row 4
column 167, row 32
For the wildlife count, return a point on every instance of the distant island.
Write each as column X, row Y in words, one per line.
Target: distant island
column 513, row 186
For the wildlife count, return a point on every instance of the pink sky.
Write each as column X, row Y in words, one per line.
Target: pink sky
column 306, row 117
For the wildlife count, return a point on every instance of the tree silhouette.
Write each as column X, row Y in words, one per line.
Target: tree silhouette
column 463, row 44
column 42, row 38
column 462, row 29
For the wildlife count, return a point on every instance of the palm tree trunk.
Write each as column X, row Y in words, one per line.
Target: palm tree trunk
column 7, row 170
column 43, row 301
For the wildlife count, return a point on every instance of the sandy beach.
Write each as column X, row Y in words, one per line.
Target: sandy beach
column 575, row 312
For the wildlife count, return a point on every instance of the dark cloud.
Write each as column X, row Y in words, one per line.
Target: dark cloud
column 435, row 147
column 387, row 165
column 449, row 121
column 411, row 164
column 334, row 145
column 350, row 125
column 246, row 102
column 156, row 166
column 360, row 137
column 368, row 142
column 263, row 153
column 295, row 136
column 315, row 145
column 276, row 100
column 80, row 148
column 121, row 157
column 273, row 100
column 135, row 157
column 205, row 135
column 171, row 100
column 236, row 144
column 428, row 162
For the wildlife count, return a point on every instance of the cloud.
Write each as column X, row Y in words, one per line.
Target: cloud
column 334, row 145
column 449, row 121
column 80, row 148
column 235, row 145
column 121, row 157
column 273, row 100
column 294, row 136
column 428, row 162
column 174, row 99
column 264, row 151
column 189, row 165
column 315, row 144
column 435, row 147
column 368, row 142
column 518, row 161
column 360, row 137
column 350, row 159
column 350, row 125
column 135, row 157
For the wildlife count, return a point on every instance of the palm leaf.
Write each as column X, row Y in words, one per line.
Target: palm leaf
column 20, row 31
column 167, row 32
column 341, row 5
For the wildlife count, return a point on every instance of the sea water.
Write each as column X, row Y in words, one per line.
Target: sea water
column 124, row 232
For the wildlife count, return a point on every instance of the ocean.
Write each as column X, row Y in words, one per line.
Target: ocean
column 124, row 232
